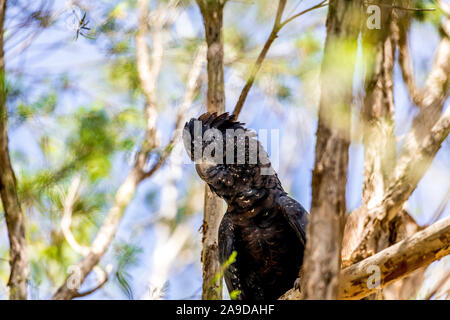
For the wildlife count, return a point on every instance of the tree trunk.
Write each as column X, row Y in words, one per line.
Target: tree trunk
column 13, row 213
column 323, row 251
column 212, row 12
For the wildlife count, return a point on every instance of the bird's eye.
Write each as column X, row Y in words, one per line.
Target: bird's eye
column 265, row 214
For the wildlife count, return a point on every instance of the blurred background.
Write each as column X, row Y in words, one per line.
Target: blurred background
column 75, row 111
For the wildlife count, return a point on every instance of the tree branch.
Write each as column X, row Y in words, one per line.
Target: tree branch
column 102, row 279
column 394, row 263
column 8, row 190
column 277, row 25
column 66, row 221
column 262, row 55
column 397, row 261
column 435, row 92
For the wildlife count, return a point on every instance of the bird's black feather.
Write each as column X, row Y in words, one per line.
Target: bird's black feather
column 262, row 223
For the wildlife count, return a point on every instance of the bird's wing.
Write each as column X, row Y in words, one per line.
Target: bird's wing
column 296, row 215
column 226, row 248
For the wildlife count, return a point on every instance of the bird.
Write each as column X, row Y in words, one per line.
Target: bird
column 263, row 225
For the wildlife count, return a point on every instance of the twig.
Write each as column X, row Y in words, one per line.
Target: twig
column 102, row 279
column 317, row 6
column 262, row 55
column 66, row 221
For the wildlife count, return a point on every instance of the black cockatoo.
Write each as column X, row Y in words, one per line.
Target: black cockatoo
column 262, row 223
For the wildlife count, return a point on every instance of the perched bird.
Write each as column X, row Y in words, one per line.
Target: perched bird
column 265, row 227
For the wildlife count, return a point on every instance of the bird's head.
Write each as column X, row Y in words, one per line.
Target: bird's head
column 227, row 156
column 205, row 140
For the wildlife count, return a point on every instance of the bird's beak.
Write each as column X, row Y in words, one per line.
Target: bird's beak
column 203, row 167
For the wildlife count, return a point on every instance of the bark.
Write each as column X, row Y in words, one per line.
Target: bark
column 14, row 217
column 212, row 12
column 322, row 257
column 394, row 263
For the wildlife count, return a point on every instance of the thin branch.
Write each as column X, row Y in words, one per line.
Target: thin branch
column 393, row 263
column 277, row 25
column 102, row 279
column 163, row 258
column 26, row 43
column 66, row 221
column 437, row 81
column 104, row 236
column 317, row 6
column 69, row 202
